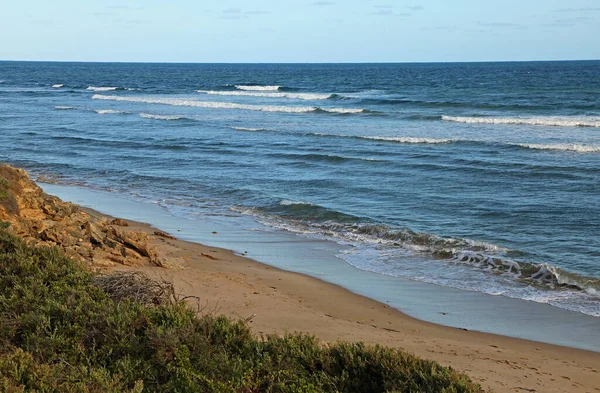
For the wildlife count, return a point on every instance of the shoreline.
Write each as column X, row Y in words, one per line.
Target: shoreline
column 274, row 300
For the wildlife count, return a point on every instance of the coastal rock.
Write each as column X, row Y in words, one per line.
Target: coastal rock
column 138, row 241
column 46, row 220
column 94, row 234
column 165, row 235
column 119, row 222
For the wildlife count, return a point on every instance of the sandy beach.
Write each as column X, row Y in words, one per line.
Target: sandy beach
column 277, row 301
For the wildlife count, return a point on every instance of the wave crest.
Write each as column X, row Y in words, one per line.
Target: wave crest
column 257, row 88
column 551, row 121
column 161, row 117
column 229, row 105
column 101, row 88
column 578, row 148
column 297, row 96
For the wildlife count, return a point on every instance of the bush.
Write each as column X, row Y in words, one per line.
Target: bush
column 61, row 332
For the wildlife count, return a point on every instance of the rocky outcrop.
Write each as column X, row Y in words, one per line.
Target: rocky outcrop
column 46, row 220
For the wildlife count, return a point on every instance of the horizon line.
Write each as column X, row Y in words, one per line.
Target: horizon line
column 298, row 63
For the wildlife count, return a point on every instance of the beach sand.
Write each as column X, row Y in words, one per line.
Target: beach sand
column 278, row 301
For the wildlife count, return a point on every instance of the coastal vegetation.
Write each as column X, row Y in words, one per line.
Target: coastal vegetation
column 63, row 328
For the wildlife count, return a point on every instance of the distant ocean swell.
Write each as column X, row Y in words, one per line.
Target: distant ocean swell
column 576, row 148
column 298, row 96
column 553, row 121
column 309, row 219
column 230, row 105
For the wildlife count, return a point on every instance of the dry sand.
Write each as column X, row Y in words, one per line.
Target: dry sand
column 277, row 301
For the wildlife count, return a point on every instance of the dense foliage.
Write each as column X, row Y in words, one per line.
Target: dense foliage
column 60, row 332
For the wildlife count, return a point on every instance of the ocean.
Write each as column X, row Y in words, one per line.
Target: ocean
column 477, row 176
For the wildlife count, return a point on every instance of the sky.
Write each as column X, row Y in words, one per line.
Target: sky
column 299, row 31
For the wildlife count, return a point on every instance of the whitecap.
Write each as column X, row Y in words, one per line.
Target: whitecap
column 109, row 112
column 257, row 88
column 578, row 148
column 101, row 88
column 160, row 117
column 297, row 96
column 226, row 105
column 553, row 121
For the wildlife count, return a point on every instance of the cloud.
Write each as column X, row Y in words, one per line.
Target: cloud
column 123, row 7
column 500, row 24
column 415, row 7
column 257, row 12
column 387, row 12
column 322, row 3
column 587, row 9
column 566, row 22
column 238, row 13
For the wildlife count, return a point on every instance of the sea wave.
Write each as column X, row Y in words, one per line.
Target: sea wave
column 102, row 88
column 64, row 108
column 395, row 139
column 310, row 219
column 251, row 129
column 57, row 85
column 161, row 117
column 552, row 121
column 229, row 105
column 297, row 96
column 257, row 88
column 578, row 148
column 109, row 112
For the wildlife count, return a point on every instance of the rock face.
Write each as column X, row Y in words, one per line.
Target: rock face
column 46, row 220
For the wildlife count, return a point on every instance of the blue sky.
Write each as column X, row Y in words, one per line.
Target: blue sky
column 300, row 30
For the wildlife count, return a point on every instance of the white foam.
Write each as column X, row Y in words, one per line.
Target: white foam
column 257, row 88
column 342, row 110
column 64, row 108
column 287, row 202
column 58, row 85
column 109, row 112
column 248, row 129
column 553, row 121
column 560, row 146
column 225, row 105
column 101, row 88
column 160, row 117
column 297, row 96
column 408, row 140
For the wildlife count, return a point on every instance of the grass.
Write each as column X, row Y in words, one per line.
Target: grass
column 59, row 331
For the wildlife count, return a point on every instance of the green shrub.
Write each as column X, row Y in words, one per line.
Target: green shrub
column 60, row 332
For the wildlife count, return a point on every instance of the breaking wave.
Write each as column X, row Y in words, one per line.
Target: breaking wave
column 230, row 105
column 552, row 121
column 57, row 85
column 64, row 108
column 578, row 148
column 257, row 88
column 248, row 129
column 161, row 117
column 297, row 96
column 102, row 88
column 310, row 219
column 395, row 139
column 109, row 112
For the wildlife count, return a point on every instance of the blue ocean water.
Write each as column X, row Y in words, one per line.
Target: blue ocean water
column 478, row 176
